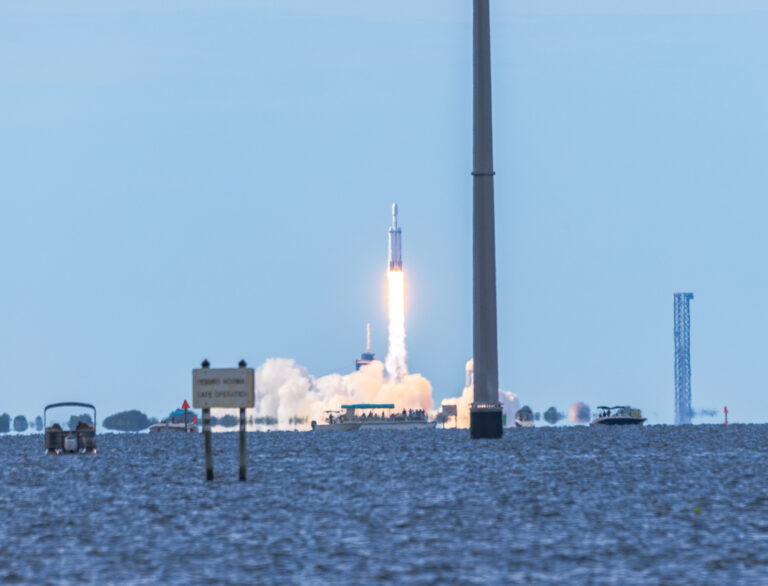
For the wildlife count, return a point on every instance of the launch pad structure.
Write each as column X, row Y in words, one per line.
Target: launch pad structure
column 485, row 415
column 366, row 357
column 683, row 409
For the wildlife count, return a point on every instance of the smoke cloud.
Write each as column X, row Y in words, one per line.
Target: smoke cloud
column 286, row 392
column 509, row 401
column 579, row 413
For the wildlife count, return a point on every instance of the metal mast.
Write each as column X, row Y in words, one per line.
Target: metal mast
column 683, row 409
column 485, row 411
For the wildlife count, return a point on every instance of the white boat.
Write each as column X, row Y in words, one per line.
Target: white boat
column 621, row 415
column 524, row 418
column 382, row 416
column 178, row 421
column 338, row 426
column 168, row 427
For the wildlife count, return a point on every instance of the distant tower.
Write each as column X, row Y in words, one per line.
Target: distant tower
column 683, row 409
column 367, row 356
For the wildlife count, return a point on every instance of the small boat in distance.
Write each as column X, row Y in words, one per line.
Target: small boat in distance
column 621, row 415
column 524, row 417
column 335, row 423
column 177, row 422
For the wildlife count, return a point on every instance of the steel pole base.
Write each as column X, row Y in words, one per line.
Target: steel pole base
column 485, row 422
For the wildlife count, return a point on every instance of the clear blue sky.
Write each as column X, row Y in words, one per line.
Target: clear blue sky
column 182, row 180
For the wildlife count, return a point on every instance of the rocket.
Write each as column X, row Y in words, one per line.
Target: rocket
column 395, row 250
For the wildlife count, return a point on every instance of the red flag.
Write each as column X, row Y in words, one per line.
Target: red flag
column 185, row 405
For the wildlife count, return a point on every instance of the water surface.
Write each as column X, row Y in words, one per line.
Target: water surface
column 562, row 505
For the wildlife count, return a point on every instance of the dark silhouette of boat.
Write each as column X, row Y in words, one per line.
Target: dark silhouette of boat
column 80, row 440
column 524, row 417
column 621, row 415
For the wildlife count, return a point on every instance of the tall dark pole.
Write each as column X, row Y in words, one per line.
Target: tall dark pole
column 485, row 412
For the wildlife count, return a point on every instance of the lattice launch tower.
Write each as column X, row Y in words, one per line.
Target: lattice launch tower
column 683, row 410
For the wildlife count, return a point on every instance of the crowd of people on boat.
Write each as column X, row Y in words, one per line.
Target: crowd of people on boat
column 409, row 415
column 619, row 412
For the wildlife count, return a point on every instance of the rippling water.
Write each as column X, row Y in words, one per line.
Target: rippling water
column 576, row 505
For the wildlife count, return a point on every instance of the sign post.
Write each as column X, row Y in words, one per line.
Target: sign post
column 225, row 388
column 208, row 443
column 242, row 444
column 242, row 364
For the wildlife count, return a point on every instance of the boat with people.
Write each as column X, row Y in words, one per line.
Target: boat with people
column 383, row 416
column 524, row 417
column 179, row 421
column 620, row 415
column 378, row 416
column 79, row 438
column 335, row 421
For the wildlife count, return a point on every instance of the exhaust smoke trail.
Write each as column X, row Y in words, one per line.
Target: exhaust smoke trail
column 290, row 396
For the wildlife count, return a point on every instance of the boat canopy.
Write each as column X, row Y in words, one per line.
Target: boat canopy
column 617, row 410
column 69, row 404
column 369, row 406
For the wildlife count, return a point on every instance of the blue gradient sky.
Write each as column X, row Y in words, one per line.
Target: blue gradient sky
column 189, row 180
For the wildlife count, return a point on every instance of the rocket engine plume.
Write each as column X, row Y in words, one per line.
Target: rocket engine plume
column 396, row 353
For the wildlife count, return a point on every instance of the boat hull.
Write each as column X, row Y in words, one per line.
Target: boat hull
column 399, row 425
column 345, row 426
column 519, row 423
column 172, row 428
column 618, row 421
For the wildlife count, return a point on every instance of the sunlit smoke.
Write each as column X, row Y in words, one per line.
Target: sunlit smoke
column 509, row 401
column 286, row 392
column 396, row 353
column 579, row 413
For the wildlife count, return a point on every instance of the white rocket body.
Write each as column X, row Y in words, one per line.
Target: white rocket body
column 395, row 241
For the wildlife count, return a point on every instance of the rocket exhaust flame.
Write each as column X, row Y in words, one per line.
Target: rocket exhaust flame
column 288, row 394
column 396, row 354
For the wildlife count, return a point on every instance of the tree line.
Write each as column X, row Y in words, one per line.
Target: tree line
column 132, row 420
column 20, row 423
